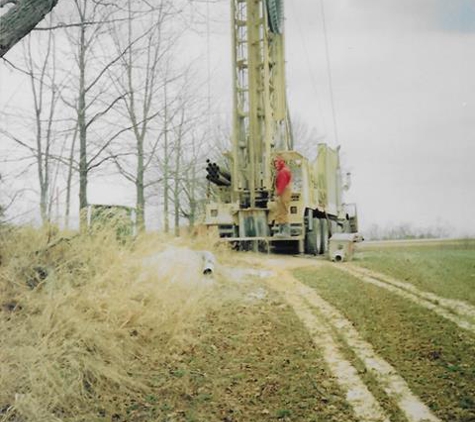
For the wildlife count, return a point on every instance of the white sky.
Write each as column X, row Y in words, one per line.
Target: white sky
column 404, row 90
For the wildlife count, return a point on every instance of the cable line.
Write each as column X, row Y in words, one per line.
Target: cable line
column 208, row 64
column 330, row 79
column 309, row 67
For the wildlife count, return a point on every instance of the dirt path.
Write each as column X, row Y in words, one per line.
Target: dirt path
column 332, row 333
column 459, row 312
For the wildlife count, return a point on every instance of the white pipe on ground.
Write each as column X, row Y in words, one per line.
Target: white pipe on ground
column 209, row 262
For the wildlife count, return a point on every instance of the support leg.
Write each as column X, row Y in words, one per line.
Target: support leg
column 301, row 246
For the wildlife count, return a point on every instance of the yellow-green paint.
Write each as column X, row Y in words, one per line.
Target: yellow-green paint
column 260, row 123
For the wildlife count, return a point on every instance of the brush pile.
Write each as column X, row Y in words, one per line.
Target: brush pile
column 82, row 323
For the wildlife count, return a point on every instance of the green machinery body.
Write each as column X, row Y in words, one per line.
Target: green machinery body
column 240, row 207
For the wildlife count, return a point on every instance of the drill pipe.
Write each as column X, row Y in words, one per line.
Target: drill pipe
column 223, row 173
column 218, row 180
column 216, row 175
column 222, row 180
column 214, row 167
column 219, row 176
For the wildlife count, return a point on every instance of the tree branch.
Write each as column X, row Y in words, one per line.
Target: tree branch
column 105, row 111
column 105, row 146
column 115, row 60
column 62, row 25
column 18, row 141
column 129, row 176
column 100, row 162
column 20, row 20
column 5, row 2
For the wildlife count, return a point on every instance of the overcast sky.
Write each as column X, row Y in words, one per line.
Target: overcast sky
column 404, row 95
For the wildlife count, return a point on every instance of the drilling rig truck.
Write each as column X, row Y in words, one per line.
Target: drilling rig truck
column 241, row 185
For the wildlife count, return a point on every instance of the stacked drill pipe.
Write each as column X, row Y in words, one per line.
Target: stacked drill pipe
column 217, row 175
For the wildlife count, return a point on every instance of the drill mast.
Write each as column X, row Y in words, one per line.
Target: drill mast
column 260, row 119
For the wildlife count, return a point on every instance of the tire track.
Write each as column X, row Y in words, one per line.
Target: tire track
column 456, row 311
column 392, row 383
column 328, row 328
column 364, row 404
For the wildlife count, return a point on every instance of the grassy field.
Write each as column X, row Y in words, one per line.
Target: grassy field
column 446, row 268
column 95, row 330
column 433, row 355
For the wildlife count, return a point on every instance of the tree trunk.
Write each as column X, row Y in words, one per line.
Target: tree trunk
column 140, row 188
column 70, row 178
column 191, row 184
column 165, row 166
column 43, row 140
column 83, row 165
column 178, row 153
column 20, row 20
column 176, row 200
column 193, row 204
column 42, row 178
column 139, row 135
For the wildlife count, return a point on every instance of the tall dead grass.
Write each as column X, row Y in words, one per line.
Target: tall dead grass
column 83, row 318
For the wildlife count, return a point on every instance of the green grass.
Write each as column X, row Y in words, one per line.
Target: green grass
column 446, row 269
column 434, row 356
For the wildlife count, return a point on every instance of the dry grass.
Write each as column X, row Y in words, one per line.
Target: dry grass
column 80, row 319
column 95, row 330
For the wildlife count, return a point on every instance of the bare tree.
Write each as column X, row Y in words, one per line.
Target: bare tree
column 92, row 103
column 190, row 142
column 133, row 69
column 305, row 137
column 69, row 178
column 8, row 196
column 179, row 135
column 193, row 182
column 141, row 79
column 44, row 114
column 105, row 85
column 20, row 19
column 166, row 164
column 37, row 137
column 171, row 145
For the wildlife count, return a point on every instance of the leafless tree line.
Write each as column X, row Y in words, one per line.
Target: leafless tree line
column 406, row 231
column 109, row 96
